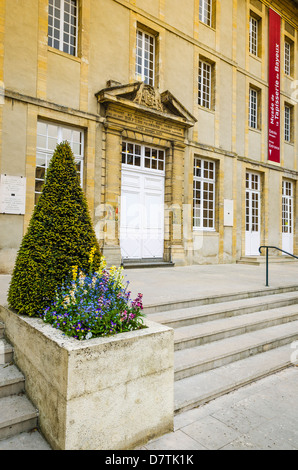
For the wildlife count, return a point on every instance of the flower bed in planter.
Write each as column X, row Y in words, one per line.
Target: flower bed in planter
column 94, row 304
column 104, row 393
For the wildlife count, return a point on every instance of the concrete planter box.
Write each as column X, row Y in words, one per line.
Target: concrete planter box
column 104, row 393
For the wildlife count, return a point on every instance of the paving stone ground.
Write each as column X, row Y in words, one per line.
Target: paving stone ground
column 260, row 416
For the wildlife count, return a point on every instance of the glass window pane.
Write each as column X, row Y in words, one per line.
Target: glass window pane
column 40, row 172
column 41, row 141
column 76, row 149
column 52, row 143
column 52, row 130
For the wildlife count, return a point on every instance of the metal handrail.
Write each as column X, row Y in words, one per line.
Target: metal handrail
column 267, row 258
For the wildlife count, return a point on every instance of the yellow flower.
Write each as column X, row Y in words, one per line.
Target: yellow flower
column 116, row 275
column 74, row 272
column 102, row 265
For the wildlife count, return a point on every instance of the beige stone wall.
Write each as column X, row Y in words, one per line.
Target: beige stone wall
column 40, row 81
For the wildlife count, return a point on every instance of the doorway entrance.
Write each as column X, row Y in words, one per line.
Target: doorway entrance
column 142, row 202
column 287, row 216
column 252, row 214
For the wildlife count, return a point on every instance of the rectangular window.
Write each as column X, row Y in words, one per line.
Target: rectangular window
column 287, row 124
column 253, row 109
column 145, row 57
column 287, row 58
column 63, row 25
column 48, row 136
column 143, row 157
column 204, row 194
column 205, row 84
column 205, row 12
column 253, row 35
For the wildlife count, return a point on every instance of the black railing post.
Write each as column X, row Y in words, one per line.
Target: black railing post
column 267, row 259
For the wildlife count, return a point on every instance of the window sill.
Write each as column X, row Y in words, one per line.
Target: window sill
column 207, row 26
column 203, row 108
column 291, row 143
column 210, row 231
column 257, row 131
column 289, row 77
column 256, row 57
column 64, row 54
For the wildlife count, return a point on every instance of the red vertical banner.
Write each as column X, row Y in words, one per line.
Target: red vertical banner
column 274, row 87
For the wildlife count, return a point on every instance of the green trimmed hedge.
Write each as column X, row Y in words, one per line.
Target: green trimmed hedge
column 60, row 235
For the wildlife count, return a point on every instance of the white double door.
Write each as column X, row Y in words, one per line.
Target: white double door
column 252, row 214
column 142, row 214
column 287, row 216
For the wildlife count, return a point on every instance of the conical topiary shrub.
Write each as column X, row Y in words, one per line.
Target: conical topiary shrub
column 60, row 235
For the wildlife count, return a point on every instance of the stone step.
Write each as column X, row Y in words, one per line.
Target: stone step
column 17, row 415
column 147, row 263
column 6, row 352
column 11, row 380
column 192, row 361
column 199, row 389
column 203, row 333
column 31, row 440
column 206, row 313
column 168, row 306
column 260, row 260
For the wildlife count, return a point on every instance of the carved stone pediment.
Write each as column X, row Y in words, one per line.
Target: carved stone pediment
column 147, row 95
column 147, row 98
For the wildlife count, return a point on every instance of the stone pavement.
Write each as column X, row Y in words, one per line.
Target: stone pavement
column 162, row 285
column 188, row 282
column 262, row 415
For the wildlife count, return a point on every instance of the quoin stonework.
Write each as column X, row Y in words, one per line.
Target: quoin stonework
column 182, row 117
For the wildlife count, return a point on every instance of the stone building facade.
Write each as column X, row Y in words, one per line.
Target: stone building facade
column 166, row 104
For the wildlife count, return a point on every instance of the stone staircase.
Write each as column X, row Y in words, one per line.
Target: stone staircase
column 222, row 343
column 228, row 341
column 18, row 417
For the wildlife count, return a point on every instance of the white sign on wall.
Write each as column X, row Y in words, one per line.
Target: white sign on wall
column 12, row 194
column 228, row 213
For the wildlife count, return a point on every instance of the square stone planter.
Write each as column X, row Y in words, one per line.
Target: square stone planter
column 101, row 394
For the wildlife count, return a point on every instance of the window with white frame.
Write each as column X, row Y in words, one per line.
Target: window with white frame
column 205, row 12
column 253, row 35
column 145, row 57
column 289, row 121
column 63, row 25
column 48, row 136
column 253, row 108
column 143, row 157
column 204, row 194
column 205, row 84
column 287, row 206
column 288, row 58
